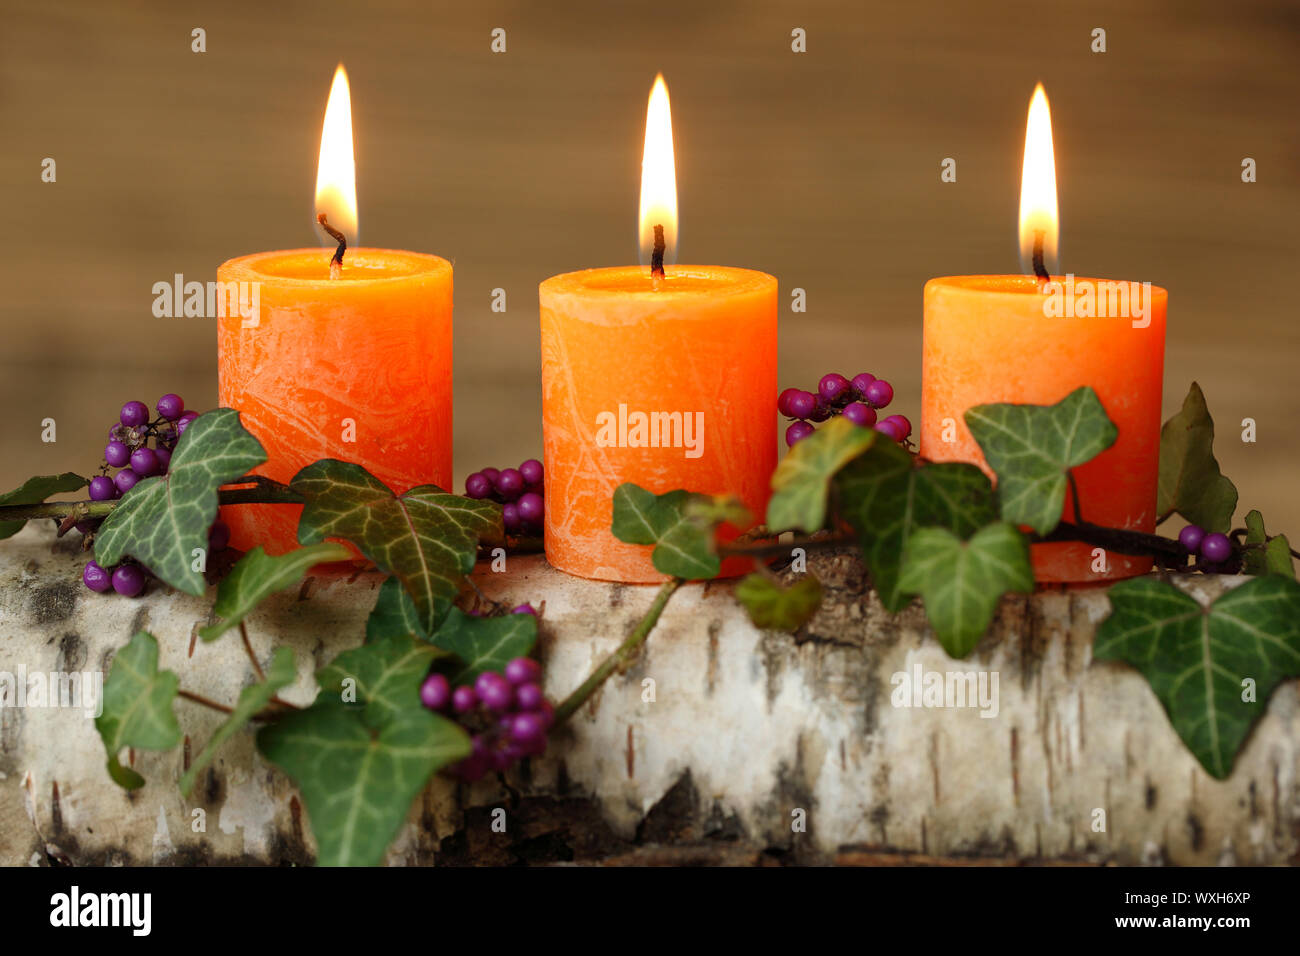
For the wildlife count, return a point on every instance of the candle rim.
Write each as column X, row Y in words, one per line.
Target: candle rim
column 260, row 266
column 1016, row 284
column 604, row 282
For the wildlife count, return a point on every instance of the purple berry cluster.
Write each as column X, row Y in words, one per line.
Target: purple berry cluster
column 505, row 712
column 140, row 448
column 857, row 399
column 519, row 490
column 1212, row 549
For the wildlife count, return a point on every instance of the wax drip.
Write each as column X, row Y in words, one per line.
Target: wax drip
column 336, row 263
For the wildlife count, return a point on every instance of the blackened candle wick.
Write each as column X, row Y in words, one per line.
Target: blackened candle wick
column 657, row 257
column 336, row 263
column 1040, row 269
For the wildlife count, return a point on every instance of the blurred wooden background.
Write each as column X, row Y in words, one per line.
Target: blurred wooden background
column 821, row 168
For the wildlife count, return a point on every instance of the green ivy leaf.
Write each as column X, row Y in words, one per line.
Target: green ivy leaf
column 802, row 480
column 1195, row 657
column 773, row 607
column 1265, row 555
column 426, row 538
column 251, row 700
column 258, row 575
column 483, row 643
column 394, row 613
column 885, row 495
column 683, row 545
column 962, row 582
column 1032, row 448
column 137, row 707
column 163, row 519
column 384, row 676
column 35, row 490
column 360, row 765
column 1190, row 481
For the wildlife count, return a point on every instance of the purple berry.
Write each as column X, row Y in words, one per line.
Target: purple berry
column 95, row 577
column 783, row 402
column 164, row 456
column 891, row 429
column 510, row 518
column 797, row 432
column 494, row 691
column 821, row 412
column 491, row 474
column 128, row 580
column 527, row 728
column 134, row 413
column 116, row 454
column 860, row 383
column 832, row 386
column 478, row 486
column 183, row 423
column 532, row 471
column 144, row 461
column 530, row 506
column 860, row 414
column 218, row 536
column 463, row 699
column 524, row 608
column 102, row 488
column 802, row 404
column 435, row 692
column 879, row 393
column 1216, row 547
column 529, row 696
column 1190, row 538
column 126, row 479
column 904, row 426
column 523, row 670
column 170, row 406
column 509, row 484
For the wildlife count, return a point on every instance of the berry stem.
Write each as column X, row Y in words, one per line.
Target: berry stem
column 620, row 656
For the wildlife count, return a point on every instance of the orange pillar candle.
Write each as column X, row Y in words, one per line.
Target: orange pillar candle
column 666, row 380
column 357, row 366
column 1025, row 340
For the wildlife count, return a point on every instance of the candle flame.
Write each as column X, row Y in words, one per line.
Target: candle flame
column 1039, row 221
column 658, row 176
column 336, row 174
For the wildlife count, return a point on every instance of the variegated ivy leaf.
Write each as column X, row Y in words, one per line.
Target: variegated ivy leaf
column 35, row 490
column 137, row 710
column 1032, row 448
column 163, row 521
column 886, row 494
column 684, row 545
column 365, row 749
column 483, row 643
column 426, row 538
column 962, row 582
column 1198, row 659
column 802, row 481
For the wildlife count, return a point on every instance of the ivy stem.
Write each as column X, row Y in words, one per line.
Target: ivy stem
column 206, row 702
column 267, row 492
column 620, row 656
